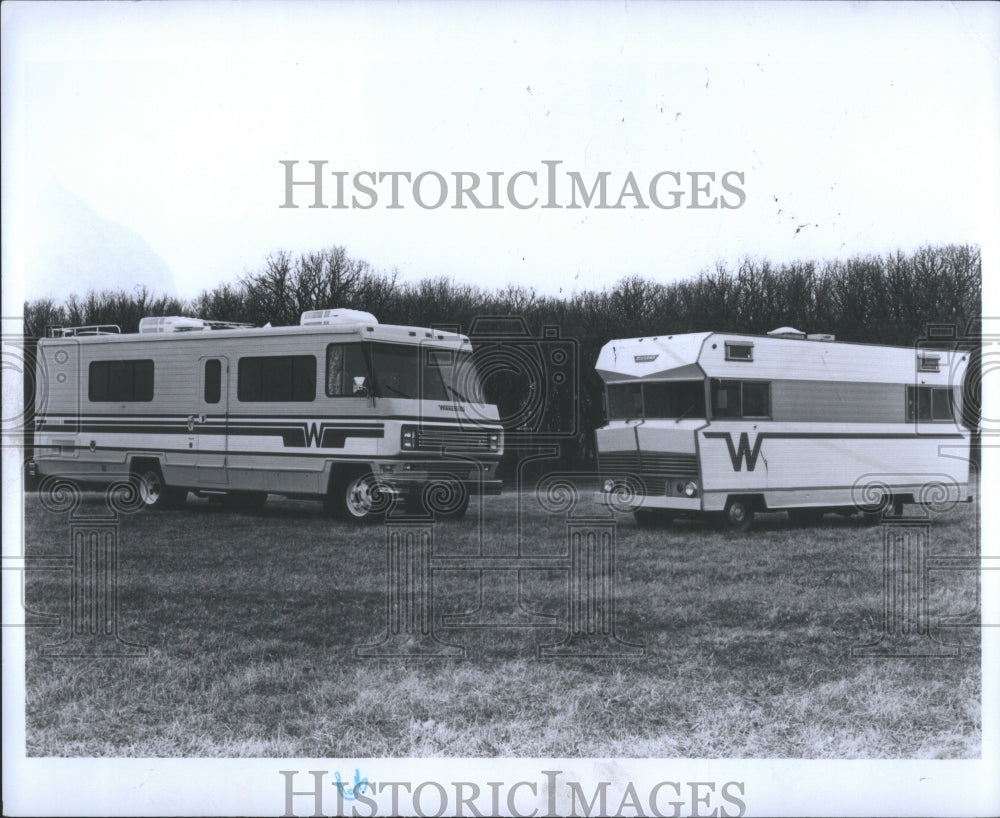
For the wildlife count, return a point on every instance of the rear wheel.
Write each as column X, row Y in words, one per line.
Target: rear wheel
column 653, row 517
column 153, row 490
column 738, row 515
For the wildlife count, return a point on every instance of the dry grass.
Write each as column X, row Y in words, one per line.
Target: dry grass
column 252, row 621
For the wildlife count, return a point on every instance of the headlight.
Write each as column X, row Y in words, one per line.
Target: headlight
column 408, row 437
column 493, row 441
column 609, row 486
column 691, row 489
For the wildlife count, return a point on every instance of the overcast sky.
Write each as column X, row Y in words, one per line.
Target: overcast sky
column 142, row 142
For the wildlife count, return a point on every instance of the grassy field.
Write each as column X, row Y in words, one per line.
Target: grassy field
column 252, row 620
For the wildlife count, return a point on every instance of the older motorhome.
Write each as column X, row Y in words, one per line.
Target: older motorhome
column 340, row 407
column 725, row 425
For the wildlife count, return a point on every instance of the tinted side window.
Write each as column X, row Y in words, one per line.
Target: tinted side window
column 121, row 381
column 277, row 378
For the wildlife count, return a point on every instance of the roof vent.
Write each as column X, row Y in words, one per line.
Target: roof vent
column 820, row 336
column 787, row 332
column 341, row 315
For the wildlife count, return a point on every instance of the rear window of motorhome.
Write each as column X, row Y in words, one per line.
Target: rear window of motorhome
column 121, row 381
column 929, row 403
column 277, row 378
column 741, row 399
column 667, row 400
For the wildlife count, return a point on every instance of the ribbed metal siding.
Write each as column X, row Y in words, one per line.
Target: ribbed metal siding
column 652, row 468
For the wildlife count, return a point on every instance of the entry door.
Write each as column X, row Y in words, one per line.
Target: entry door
column 209, row 426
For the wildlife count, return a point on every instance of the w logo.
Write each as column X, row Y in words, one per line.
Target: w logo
column 743, row 452
column 313, row 435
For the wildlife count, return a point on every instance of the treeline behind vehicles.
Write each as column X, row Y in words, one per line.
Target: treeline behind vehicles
column 339, row 408
column 722, row 426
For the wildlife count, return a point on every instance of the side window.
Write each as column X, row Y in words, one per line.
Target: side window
column 741, row 399
column 726, row 399
column 120, row 381
column 756, row 400
column 213, row 381
column 345, row 365
column 277, row 378
column 738, row 352
column 929, row 403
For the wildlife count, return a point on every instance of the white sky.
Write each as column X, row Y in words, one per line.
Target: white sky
column 877, row 127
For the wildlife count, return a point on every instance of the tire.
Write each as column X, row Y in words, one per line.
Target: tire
column 738, row 515
column 245, row 501
column 652, row 517
column 805, row 516
column 154, row 491
column 358, row 499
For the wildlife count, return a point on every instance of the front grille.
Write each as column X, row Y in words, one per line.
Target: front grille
column 453, row 440
column 651, row 468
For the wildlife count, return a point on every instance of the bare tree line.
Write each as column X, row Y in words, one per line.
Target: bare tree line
column 877, row 299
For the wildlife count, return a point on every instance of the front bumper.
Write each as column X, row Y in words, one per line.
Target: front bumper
column 410, row 477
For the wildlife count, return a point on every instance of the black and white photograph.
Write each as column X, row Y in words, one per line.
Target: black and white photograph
column 523, row 409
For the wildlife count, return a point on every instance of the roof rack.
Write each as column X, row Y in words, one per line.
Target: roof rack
column 90, row 329
column 183, row 323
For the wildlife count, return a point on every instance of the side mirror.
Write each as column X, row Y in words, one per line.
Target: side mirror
column 360, row 386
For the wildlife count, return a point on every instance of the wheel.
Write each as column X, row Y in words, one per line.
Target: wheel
column 154, row 492
column 652, row 517
column 244, row 500
column 738, row 515
column 359, row 499
column 805, row 516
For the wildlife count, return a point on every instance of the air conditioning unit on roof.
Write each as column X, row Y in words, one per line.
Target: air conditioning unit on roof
column 787, row 332
column 337, row 316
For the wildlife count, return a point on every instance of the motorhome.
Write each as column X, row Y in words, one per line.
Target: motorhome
column 725, row 425
column 339, row 407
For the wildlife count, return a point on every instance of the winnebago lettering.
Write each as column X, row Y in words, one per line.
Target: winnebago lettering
column 339, row 408
column 724, row 425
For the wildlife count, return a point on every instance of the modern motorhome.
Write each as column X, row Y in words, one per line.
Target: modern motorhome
column 726, row 425
column 340, row 407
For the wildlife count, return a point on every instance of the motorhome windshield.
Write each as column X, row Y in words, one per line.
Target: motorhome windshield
column 431, row 373
column 668, row 400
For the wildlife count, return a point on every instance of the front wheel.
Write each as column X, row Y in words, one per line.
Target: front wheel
column 360, row 499
column 738, row 515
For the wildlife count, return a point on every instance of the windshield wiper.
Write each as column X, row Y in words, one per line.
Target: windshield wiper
column 399, row 392
column 456, row 393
